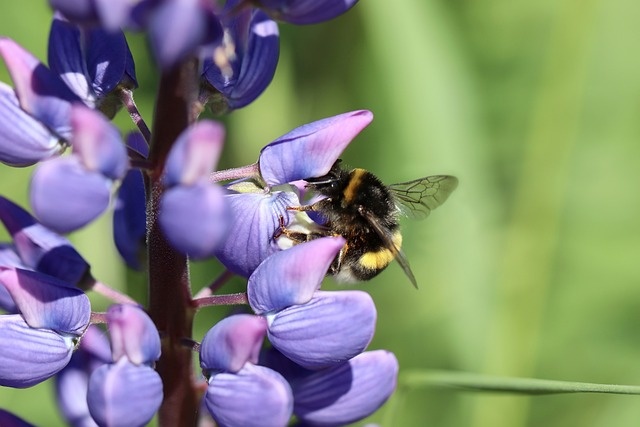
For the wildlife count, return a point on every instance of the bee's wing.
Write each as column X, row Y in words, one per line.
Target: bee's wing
column 416, row 199
column 387, row 239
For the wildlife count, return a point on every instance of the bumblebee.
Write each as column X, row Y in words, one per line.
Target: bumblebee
column 363, row 210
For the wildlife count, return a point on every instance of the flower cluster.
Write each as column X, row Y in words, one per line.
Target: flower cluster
column 171, row 205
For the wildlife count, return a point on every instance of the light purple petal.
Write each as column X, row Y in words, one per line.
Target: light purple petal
column 255, row 217
column 331, row 328
column 310, row 150
column 133, row 334
column 6, row 302
column 29, row 356
column 7, row 419
column 291, row 276
column 46, row 302
column 254, row 397
column 177, row 28
column 97, row 143
column 41, row 93
column 231, row 343
column 303, row 12
column 195, row 218
column 124, row 395
column 195, row 153
column 83, row 11
column 23, row 140
column 65, row 196
column 348, row 392
column 130, row 219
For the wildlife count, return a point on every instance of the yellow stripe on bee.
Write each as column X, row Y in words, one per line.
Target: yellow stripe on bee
column 376, row 260
column 351, row 190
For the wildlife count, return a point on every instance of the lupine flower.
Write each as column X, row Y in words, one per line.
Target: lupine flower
column 110, row 14
column 127, row 392
column 244, row 63
column 307, row 151
column 193, row 214
column 92, row 62
column 305, row 11
column 37, row 248
column 38, row 342
column 315, row 329
column 72, row 383
column 240, row 392
column 82, row 180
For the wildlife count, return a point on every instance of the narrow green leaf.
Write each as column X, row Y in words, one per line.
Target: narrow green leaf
column 489, row 383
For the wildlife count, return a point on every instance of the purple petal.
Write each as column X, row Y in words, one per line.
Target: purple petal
column 23, row 140
column 195, row 153
column 97, row 143
column 246, row 61
column 254, row 397
column 7, row 419
column 195, row 218
column 304, row 12
column 29, row 356
column 123, row 394
column 231, row 343
column 6, row 302
column 255, row 217
column 310, row 150
column 331, row 328
column 65, row 196
column 46, row 302
column 133, row 334
column 292, row 276
column 83, row 11
column 41, row 249
column 177, row 28
column 136, row 142
column 130, row 219
column 348, row 392
column 41, row 93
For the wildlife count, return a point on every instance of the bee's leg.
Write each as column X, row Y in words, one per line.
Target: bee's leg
column 295, row 236
column 336, row 265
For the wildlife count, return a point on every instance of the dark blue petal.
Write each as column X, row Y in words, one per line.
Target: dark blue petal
column 85, row 194
column 331, row 328
column 245, row 63
column 303, row 12
column 133, row 334
column 46, row 302
column 23, row 140
column 7, row 419
column 129, row 219
column 255, row 217
column 292, row 276
column 174, row 39
column 310, row 150
column 41, row 92
column 29, row 356
column 231, row 343
column 91, row 62
column 78, row 11
column 348, row 392
column 254, row 397
column 124, row 395
column 39, row 248
column 195, row 218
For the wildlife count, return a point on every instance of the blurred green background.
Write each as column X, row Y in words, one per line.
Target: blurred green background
column 532, row 267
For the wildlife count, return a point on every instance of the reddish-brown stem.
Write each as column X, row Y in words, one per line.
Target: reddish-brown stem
column 249, row 171
column 230, row 299
column 169, row 288
column 217, row 284
column 126, row 96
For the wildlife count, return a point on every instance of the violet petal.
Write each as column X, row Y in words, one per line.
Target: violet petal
column 231, row 343
column 310, row 150
column 7, row 419
column 133, row 334
column 304, row 12
column 130, row 220
column 254, row 397
column 331, row 328
column 291, row 276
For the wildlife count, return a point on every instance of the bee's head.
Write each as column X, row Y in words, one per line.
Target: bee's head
column 329, row 184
